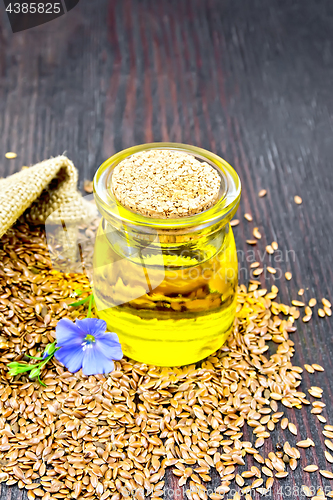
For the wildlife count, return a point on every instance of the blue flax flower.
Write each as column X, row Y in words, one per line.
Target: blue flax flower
column 86, row 344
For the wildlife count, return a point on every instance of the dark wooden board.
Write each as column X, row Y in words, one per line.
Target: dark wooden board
column 249, row 80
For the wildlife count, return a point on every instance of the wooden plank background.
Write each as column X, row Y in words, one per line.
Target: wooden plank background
column 250, row 80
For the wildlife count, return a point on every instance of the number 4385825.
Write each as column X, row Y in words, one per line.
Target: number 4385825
column 34, row 8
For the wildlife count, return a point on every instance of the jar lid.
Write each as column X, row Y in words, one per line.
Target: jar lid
column 222, row 209
column 165, row 183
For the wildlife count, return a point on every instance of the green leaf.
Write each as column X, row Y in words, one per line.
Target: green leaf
column 80, row 302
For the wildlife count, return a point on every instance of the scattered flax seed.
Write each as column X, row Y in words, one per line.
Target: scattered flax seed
column 234, row 222
column 326, row 303
column 328, row 427
column 282, row 474
column 309, row 368
column 312, row 302
column 269, row 249
column 306, row 490
column 262, row 193
column 10, row 155
column 257, row 233
column 321, row 313
column 271, row 270
column 327, row 311
column 297, row 303
column 307, row 318
column 311, row 468
column 327, row 474
column 88, row 186
column 284, row 423
column 328, row 457
column 251, row 242
column 165, row 184
column 254, row 265
column 321, row 419
column 301, row 291
column 328, row 434
column 305, row 444
column 275, row 246
column 329, row 444
column 293, row 429
column 258, row 271
column 248, row 217
column 288, row 276
column 318, row 368
column 298, row 200
column 308, row 311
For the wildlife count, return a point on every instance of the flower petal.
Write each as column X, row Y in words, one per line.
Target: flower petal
column 91, row 326
column 109, row 344
column 94, row 361
column 70, row 356
column 67, row 332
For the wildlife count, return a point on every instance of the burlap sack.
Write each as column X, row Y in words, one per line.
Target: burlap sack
column 46, row 191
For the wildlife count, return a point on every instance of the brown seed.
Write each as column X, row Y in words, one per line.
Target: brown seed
column 321, row 313
column 307, row 318
column 293, row 429
column 275, row 246
column 234, row 222
column 284, row 423
column 256, row 233
column 318, row 368
column 297, row 303
column 304, row 444
column 327, row 427
column 288, row 276
column 10, row 155
column 312, row 302
column 271, row 270
column 262, row 193
column 248, row 217
column 329, row 444
column 269, row 249
column 88, row 186
column 298, row 200
column 306, row 490
column 281, row 475
column 327, row 311
column 327, row 474
column 311, row 468
column 326, row 303
column 251, row 242
column 309, row 368
column 328, row 457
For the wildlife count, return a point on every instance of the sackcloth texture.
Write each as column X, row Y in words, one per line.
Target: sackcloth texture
column 46, row 192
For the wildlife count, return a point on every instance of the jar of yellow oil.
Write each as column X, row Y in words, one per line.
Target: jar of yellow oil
column 165, row 261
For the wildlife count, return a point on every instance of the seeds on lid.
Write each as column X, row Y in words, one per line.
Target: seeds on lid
column 165, row 184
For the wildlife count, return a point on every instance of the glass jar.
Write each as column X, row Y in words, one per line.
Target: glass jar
column 167, row 287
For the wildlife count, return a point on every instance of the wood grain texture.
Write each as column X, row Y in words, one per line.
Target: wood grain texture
column 250, row 80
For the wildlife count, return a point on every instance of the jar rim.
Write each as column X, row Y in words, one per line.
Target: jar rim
column 222, row 210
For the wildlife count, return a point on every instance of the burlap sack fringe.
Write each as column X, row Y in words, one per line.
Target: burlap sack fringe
column 46, row 191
